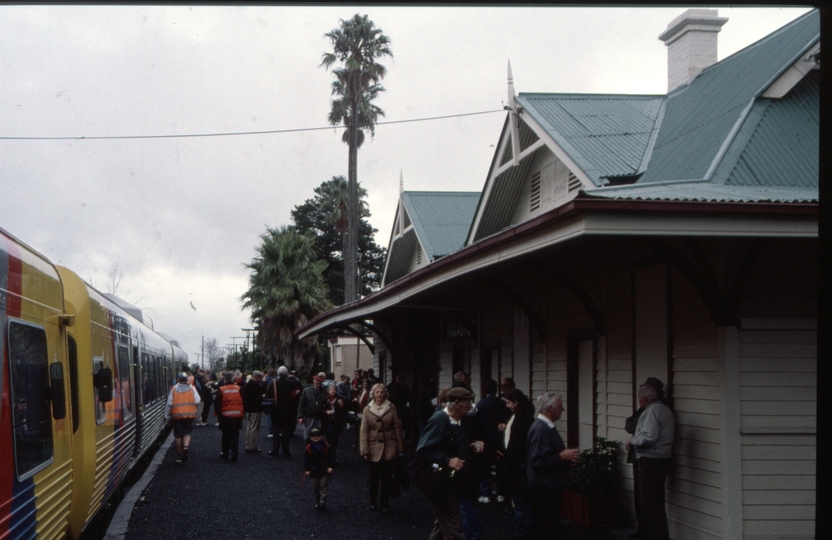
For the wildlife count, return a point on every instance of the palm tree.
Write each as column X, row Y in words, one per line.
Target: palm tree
column 286, row 289
column 336, row 192
column 356, row 45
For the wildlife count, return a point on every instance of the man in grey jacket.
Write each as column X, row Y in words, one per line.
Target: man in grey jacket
column 653, row 441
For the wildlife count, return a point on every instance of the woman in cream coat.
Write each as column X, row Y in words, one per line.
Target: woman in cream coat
column 381, row 443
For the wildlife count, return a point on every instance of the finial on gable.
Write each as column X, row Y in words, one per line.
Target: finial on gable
column 401, row 181
column 513, row 109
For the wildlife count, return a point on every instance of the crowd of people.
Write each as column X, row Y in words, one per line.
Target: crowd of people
column 502, row 449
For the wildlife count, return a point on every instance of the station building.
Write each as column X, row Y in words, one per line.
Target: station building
column 620, row 237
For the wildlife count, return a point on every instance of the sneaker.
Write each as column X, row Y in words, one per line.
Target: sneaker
column 233, row 458
column 184, row 454
column 500, row 498
column 178, row 458
column 223, row 456
column 322, row 506
column 484, row 499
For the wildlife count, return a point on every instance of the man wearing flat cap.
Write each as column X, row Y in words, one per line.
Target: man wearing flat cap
column 312, row 402
column 445, row 444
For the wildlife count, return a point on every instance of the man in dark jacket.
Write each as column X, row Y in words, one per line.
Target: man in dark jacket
column 445, row 445
column 312, row 405
column 252, row 405
column 547, row 466
column 490, row 414
column 284, row 413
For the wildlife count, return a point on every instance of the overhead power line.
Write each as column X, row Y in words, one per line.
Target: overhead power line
column 234, row 133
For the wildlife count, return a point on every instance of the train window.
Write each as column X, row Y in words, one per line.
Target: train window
column 100, row 406
column 148, row 392
column 160, row 379
column 124, row 382
column 29, row 381
column 72, row 349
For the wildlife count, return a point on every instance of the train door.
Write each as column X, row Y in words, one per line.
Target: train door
column 35, row 446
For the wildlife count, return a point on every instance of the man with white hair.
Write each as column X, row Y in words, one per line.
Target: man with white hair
column 283, row 415
column 547, row 466
column 653, row 442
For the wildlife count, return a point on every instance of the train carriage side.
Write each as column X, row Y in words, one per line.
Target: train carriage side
column 154, row 368
column 100, row 349
column 36, row 477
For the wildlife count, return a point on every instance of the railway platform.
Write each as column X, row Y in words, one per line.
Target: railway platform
column 263, row 497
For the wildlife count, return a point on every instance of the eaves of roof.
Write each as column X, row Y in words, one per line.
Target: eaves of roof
column 704, row 191
column 360, row 308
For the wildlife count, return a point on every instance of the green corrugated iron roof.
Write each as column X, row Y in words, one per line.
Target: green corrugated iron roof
column 441, row 219
column 716, row 129
column 705, row 191
column 702, row 116
column 782, row 148
column 605, row 135
column 440, row 223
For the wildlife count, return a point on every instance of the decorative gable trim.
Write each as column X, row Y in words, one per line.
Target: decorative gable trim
column 795, row 73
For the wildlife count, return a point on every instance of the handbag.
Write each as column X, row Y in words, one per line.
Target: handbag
column 428, row 478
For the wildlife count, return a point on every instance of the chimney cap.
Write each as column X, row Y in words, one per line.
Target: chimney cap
column 705, row 20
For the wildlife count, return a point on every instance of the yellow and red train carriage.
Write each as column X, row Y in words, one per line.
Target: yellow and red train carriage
column 84, row 383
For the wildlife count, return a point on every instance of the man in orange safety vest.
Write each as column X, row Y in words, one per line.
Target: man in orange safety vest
column 180, row 413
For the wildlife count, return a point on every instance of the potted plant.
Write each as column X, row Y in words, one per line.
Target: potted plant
column 588, row 498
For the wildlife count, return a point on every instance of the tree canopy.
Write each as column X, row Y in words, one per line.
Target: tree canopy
column 286, row 289
column 320, row 216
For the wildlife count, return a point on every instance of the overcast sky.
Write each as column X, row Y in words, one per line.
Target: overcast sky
column 179, row 217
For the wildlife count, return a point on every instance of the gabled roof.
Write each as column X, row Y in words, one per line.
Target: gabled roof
column 436, row 221
column 712, row 139
column 441, row 219
column 605, row 135
column 702, row 117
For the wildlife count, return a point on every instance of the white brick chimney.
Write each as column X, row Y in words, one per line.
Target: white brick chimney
column 691, row 40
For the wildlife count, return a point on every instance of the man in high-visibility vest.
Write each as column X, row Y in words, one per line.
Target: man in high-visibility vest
column 180, row 413
column 228, row 406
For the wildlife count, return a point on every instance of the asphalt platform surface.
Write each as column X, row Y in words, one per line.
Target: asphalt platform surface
column 263, row 497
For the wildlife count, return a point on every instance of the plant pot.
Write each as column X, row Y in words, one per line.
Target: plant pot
column 589, row 511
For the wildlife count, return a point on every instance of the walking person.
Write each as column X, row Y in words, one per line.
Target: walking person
column 311, row 405
column 209, row 388
column 445, row 444
column 336, row 413
column 318, row 464
column 653, row 441
column 547, row 466
column 284, row 412
column 252, row 406
column 180, row 413
column 229, row 410
column 381, row 444
column 514, row 483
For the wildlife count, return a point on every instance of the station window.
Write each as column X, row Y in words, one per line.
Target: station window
column 29, row 380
